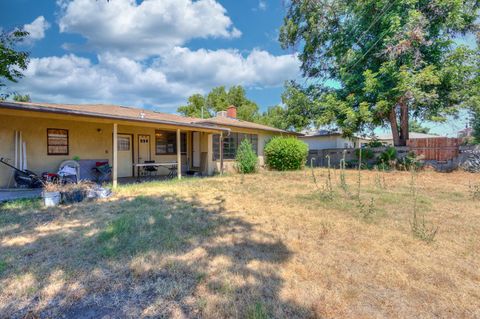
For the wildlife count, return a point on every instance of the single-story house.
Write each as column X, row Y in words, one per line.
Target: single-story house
column 334, row 139
column 124, row 136
column 326, row 139
column 387, row 139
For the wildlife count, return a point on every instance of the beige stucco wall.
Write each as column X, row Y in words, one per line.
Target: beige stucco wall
column 34, row 132
column 88, row 139
column 263, row 138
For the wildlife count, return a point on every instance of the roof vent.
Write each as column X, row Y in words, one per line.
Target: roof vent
column 222, row 114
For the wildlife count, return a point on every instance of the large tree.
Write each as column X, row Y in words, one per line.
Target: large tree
column 275, row 116
column 380, row 62
column 218, row 99
column 12, row 61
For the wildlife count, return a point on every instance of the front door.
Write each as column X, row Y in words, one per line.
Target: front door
column 196, row 149
column 125, row 155
column 143, row 148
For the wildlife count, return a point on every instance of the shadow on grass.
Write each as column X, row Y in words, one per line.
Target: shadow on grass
column 151, row 256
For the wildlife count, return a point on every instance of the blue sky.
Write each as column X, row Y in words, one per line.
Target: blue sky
column 235, row 42
column 156, row 53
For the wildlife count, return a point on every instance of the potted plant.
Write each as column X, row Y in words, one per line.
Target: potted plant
column 51, row 194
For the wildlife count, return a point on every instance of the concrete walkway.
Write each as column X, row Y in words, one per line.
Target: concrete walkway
column 13, row 194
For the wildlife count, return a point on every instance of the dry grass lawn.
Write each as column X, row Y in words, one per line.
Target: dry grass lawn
column 269, row 245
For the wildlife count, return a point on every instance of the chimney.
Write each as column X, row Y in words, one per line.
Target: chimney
column 232, row 111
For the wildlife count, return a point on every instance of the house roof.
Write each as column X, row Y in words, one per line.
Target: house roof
column 233, row 122
column 321, row 133
column 136, row 114
column 412, row 135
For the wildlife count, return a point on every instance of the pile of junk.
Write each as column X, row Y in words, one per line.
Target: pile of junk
column 64, row 186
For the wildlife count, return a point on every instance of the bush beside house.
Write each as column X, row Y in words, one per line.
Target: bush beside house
column 246, row 159
column 285, row 153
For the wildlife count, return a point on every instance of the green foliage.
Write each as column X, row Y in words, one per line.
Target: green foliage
column 367, row 154
column 257, row 311
column 409, row 162
column 196, row 107
column 415, row 126
column 285, row 153
column 375, row 143
column 302, row 106
column 275, row 116
column 21, row 98
column 3, row 266
column 476, row 125
column 388, row 157
column 218, row 99
column 12, row 62
column 373, row 60
column 246, row 159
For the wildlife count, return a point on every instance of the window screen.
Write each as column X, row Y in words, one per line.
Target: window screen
column 231, row 144
column 57, row 141
column 123, row 143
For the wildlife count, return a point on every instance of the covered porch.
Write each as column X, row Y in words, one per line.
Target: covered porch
column 50, row 138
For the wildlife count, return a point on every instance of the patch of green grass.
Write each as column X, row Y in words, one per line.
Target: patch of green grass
column 21, row 204
column 150, row 223
column 3, row 266
column 257, row 311
column 18, row 211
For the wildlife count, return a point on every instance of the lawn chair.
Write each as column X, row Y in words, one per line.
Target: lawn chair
column 150, row 170
column 102, row 172
column 69, row 172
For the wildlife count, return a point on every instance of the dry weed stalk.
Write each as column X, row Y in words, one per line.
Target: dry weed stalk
column 418, row 224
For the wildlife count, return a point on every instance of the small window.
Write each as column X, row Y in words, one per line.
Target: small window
column 57, row 141
column 231, row 144
column 123, row 143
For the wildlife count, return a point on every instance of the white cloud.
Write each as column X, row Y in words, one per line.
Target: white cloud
column 166, row 82
column 262, row 5
column 146, row 28
column 142, row 55
column 37, row 28
column 229, row 67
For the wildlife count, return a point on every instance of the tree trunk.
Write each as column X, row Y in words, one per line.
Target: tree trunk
column 403, row 123
column 394, row 125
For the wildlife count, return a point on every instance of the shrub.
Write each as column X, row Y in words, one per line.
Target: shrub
column 246, row 159
column 388, row 157
column 367, row 154
column 286, row 153
column 409, row 162
column 375, row 143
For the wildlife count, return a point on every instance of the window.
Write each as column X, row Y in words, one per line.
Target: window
column 123, row 143
column 57, row 141
column 231, row 144
column 166, row 143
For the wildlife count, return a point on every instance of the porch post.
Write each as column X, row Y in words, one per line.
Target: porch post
column 115, row 155
column 221, row 153
column 179, row 155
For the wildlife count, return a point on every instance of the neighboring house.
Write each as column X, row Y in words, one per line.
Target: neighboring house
column 326, row 139
column 332, row 139
column 56, row 132
column 387, row 139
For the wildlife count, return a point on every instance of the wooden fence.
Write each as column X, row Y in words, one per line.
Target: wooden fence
column 439, row 149
column 435, row 151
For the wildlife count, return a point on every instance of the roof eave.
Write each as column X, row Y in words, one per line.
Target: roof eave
column 253, row 128
column 45, row 109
